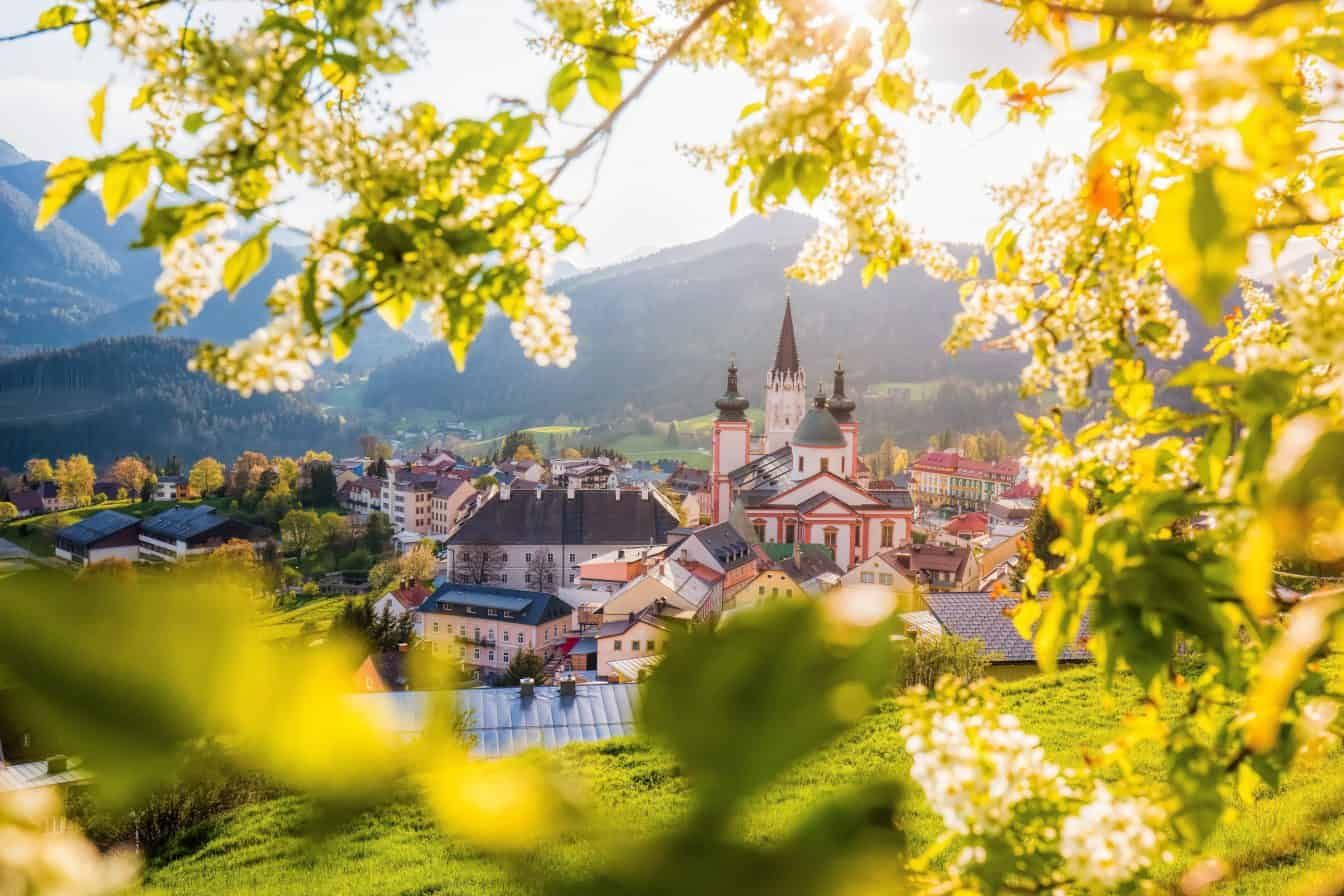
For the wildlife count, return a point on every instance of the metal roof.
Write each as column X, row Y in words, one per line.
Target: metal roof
column 29, row 775
column 97, row 527
column 502, row 722
column 978, row 615
column 532, row 607
column 183, row 522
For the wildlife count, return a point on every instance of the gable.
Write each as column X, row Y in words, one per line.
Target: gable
column 821, row 484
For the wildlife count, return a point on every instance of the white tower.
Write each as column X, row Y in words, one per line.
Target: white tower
column 785, row 387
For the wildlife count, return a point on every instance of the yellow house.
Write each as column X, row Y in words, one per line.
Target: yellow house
column 769, row 584
column 879, row 571
column 634, row 636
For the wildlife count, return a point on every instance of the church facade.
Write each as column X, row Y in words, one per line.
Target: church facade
column 801, row 481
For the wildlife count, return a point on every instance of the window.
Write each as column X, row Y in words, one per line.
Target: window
column 866, row 578
column 829, row 538
column 571, row 558
column 476, row 636
column 790, row 533
column 759, row 526
column 802, row 463
column 634, row 645
column 491, row 613
column 492, row 656
column 888, row 534
column 503, row 577
column 616, row 645
column 476, row 654
column 760, row 590
column 436, row 626
column 527, row 557
column 550, row 558
column 650, row 645
column 506, row 656
column 886, row 579
column 825, row 465
column 504, row 557
column 520, row 637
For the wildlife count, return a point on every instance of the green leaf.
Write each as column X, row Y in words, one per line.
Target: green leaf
column 564, row 85
column 97, row 113
column 247, row 260
column 767, row 687
column 604, row 83
column 123, row 182
column 65, row 181
column 777, row 179
column 967, row 105
column 1200, row 231
column 193, row 122
column 810, row 173
column 343, row 338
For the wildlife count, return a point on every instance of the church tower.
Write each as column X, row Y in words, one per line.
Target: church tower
column 732, row 445
column 842, row 409
column 785, row 387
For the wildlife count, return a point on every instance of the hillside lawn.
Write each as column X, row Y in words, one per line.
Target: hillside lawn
column 635, row 788
column 277, row 625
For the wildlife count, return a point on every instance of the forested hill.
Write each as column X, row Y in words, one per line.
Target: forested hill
column 115, row 396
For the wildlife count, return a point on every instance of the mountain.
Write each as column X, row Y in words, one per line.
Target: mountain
column 116, row 396
column 79, row 280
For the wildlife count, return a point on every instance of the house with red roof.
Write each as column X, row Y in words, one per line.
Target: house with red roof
column 404, row 599
column 949, row 479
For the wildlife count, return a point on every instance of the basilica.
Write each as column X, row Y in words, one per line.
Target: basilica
column 801, row 479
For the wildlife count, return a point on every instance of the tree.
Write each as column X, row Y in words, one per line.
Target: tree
column 7, row 511
column 378, row 534
column 673, row 439
column 246, row 472
column 420, row 562
column 508, row 450
column 542, row 572
column 524, row 664
column 477, row 564
column 484, row 483
column 301, row 532
column 130, row 473
column 206, row 476
column 322, row 489
column 378, row 468
column 172, row 466
column 37, row 470
column 368, row 445
column 74, row 479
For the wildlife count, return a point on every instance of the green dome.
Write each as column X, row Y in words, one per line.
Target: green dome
column 819, row 429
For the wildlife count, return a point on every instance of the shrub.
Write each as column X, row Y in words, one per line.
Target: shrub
column 927, row 659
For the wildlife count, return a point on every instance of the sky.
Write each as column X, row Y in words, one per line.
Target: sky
column 647, row 194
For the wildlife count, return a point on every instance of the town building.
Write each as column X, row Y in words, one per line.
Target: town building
column 182, row 532
column 382, row 672
column 537, row 537
column 633, row 635
column 947, row 479
column 923, row 567
column 802, row 481
column 485, row 626
column 585, row 473
column 101, row 536
column 362, row 496
column 405, row 598
column 407, row 497
column 980, row 616
column 45, row 497
column 453, row 499
column 170, row 488
column 708, row 565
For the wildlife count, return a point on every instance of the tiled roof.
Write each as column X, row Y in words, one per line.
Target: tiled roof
column 528, row 607
column 977, row 615
column 968, row 523
column 951, row 461
column 812, row 560
column 27, row 500
column 592, row 516
column 410, row 597
column 97, row 527
column 702, row 572
column 933, row 557
column 502, row 722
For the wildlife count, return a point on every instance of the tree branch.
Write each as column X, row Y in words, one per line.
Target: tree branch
column 146, row 4
column 1153, row 15
column 678, row 43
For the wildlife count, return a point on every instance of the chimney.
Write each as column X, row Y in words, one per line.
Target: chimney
column 620, row 553
column 504, row 490
column 403, row 647
column 617, row 490
column 539, row 491
column 527, row 688
column 569, row 687
column 57, row 764
column 570, row 491
column 644, row 491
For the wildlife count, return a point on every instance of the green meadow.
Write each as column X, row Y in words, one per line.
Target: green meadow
column 634, row 789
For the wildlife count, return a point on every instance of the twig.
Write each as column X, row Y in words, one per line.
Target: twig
column 1154, row 15
column 147, row 4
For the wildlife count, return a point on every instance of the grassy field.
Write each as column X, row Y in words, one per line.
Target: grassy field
column 286, row 624
column 636, row 789
column 922, row 391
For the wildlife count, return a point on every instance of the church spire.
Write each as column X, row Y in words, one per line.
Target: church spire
column 842, row 407
column 786, row 355
column 732, row 405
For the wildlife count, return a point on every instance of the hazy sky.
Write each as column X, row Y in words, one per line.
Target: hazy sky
column 648, row 195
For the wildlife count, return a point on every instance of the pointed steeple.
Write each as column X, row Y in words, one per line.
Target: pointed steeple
column 841, row 406
column 786, row 355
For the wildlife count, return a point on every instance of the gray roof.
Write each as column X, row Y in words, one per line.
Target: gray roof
column 502, row 722
column 977, row 615
column 898, row 498
column 96, row 527
column 592, row 516
column 527, row 607
column 819, row 430
column 183, row 522
column 764, row 472
column 725, row 543
column 28, row 775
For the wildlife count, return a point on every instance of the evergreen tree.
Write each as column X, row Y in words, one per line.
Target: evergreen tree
column 377, row 534
column 673, row 438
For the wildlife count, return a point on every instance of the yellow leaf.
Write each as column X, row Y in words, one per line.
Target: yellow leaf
column 396, row 309
column 123, row 182
column 65, row 180
column 81, row 33
column 246, row 261
column 1201, row 229
column 1255, row 569
column 1103, row 194
column 97, row 112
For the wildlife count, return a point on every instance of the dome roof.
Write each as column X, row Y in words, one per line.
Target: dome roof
column 818, row 428
column 733, row 405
